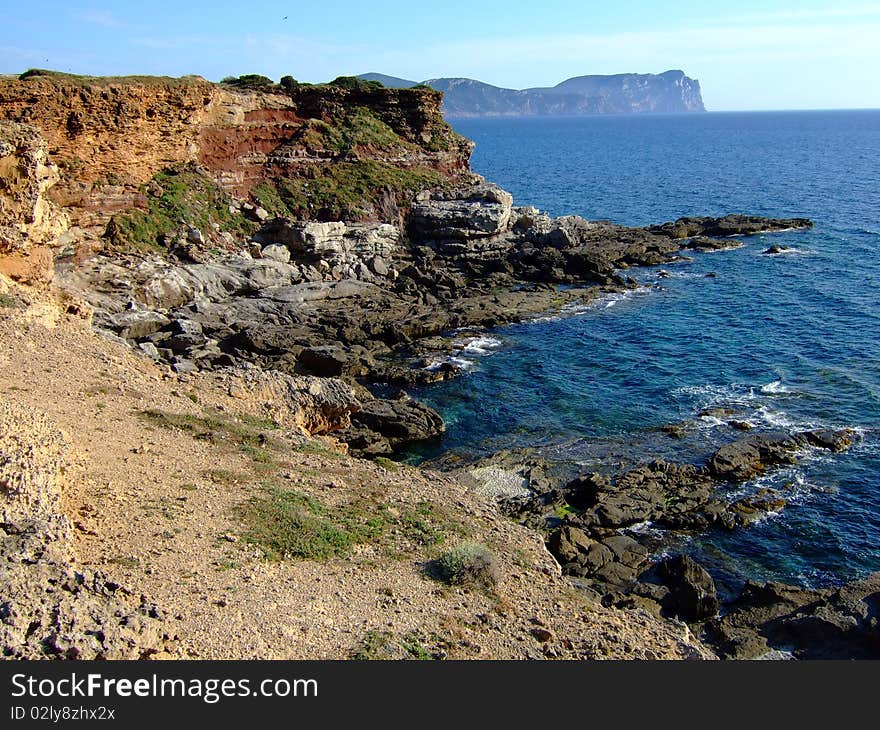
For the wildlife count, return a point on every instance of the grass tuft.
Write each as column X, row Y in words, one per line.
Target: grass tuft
column 470, row 565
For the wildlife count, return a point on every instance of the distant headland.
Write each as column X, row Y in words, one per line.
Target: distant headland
column 628, row 93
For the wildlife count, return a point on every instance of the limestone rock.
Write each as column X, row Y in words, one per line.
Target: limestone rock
column 314, row 406
column 27, row 217
column 276, row 252
column 49, row 607
column 478, row 211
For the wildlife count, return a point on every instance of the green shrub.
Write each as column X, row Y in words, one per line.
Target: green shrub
column 386, row 463
column 468, row 564
column 249, row 81
column 383, row 645
column 289, row 83
column 7, row 301
column 354, row 83
column 35, row 72
column 344, row 190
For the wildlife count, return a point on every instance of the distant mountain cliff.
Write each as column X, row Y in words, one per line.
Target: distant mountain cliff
column 669, row 92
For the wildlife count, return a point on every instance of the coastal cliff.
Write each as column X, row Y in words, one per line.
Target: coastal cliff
column 110, row 136
column 630, row 93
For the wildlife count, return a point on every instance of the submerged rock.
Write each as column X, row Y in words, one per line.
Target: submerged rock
column 754, row 454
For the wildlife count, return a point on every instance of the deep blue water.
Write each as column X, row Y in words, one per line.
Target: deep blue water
column 786, row 341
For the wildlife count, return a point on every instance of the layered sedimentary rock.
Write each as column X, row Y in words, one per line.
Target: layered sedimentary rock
column 112, row 135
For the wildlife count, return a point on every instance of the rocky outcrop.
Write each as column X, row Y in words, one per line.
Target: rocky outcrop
column 314, row 406
column 49, row 607
column 729, row 225
column 594, row 523
column 473, row 212
column 337, row 298
column 29, row 221
column 338, row 250
column 380, row 427
column 754, row 454
column 831, row 623
column 692, row 594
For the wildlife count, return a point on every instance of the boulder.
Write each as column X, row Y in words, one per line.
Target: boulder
column 276, row 252
column 692, row 594
column 390, row 424
column 751, row 455
column 185, row 334
column 473, row 212
column 379, row 267
column 326, row 362
column 583, row 492
column 134, row 324
column 754, row 454
column 831, row 439
column 568, row 543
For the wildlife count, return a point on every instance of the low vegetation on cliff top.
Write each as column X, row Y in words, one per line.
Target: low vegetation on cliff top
column 103, row 80
column 288, row 524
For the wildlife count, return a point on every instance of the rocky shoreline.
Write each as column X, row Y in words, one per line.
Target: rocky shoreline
column 595, row 527
column 371, row 303
column 374, row 303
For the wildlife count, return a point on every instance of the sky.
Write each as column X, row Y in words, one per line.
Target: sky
column 747, row 55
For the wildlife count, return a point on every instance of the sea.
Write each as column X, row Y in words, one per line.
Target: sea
column 785, row 341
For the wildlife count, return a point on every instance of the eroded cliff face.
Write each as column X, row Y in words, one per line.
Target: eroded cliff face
column 28, row 220
column 110, row 136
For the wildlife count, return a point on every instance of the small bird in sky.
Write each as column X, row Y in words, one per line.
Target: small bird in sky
column 284, row 18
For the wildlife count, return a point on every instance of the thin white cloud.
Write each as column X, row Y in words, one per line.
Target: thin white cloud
column 500, row 60
column 173, row 42
column 278, row 45
column 103, row 18
column 840, row 11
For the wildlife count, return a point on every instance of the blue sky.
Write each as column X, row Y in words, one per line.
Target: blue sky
column 746, row 54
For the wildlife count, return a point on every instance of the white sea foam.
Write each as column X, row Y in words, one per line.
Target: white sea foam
column 775, row 387
column 482, row 346
column 776, row 419
column 788, row 251
column 460, row 362
column 646, row 529
column 605, row 300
